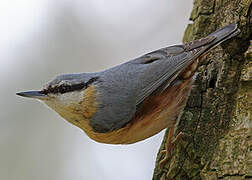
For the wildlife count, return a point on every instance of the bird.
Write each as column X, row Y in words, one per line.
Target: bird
column 135, row 100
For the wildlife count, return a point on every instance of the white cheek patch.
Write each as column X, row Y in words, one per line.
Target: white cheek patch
column 60, row 101
column 70, row 98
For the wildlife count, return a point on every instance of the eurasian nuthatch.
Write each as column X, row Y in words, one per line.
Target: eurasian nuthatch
column 135, row 100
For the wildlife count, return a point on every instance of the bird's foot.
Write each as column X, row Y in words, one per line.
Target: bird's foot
column 169, row 147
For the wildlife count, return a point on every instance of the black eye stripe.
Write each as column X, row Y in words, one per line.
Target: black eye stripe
column 68, row 88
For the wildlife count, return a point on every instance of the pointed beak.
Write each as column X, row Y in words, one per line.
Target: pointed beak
column 33, row 94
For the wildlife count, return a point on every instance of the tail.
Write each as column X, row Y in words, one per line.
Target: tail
column 213, row 39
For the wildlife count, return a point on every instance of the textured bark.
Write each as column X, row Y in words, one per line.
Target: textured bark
column 218, row 112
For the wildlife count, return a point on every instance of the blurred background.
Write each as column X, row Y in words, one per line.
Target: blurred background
column 42, row 38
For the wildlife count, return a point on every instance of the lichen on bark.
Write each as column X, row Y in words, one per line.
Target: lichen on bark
column 218, row 111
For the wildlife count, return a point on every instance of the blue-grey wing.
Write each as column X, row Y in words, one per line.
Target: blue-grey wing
column 122, row 88
column 167, row 63
column 162, row 66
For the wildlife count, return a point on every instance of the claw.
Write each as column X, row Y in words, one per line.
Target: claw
column 168, row 152
column 169, row 146
column 163, row 152
column 163, row 162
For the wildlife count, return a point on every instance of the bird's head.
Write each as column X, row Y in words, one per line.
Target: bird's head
column 68, row 94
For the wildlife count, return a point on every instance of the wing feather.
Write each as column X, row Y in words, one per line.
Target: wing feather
column 179, row 60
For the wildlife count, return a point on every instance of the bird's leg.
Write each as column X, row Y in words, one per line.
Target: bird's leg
column 170, row 145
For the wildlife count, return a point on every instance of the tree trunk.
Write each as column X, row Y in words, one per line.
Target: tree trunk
column 218, row 112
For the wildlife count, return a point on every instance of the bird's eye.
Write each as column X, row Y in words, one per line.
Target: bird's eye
column 69, row 88
column 64, row 88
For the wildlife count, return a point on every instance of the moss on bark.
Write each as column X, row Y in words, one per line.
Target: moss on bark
column 218, row 111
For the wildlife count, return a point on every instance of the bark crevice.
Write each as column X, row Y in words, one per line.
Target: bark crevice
column 217, row 112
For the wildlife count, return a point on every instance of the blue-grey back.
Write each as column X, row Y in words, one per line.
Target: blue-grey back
column 120, row 88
